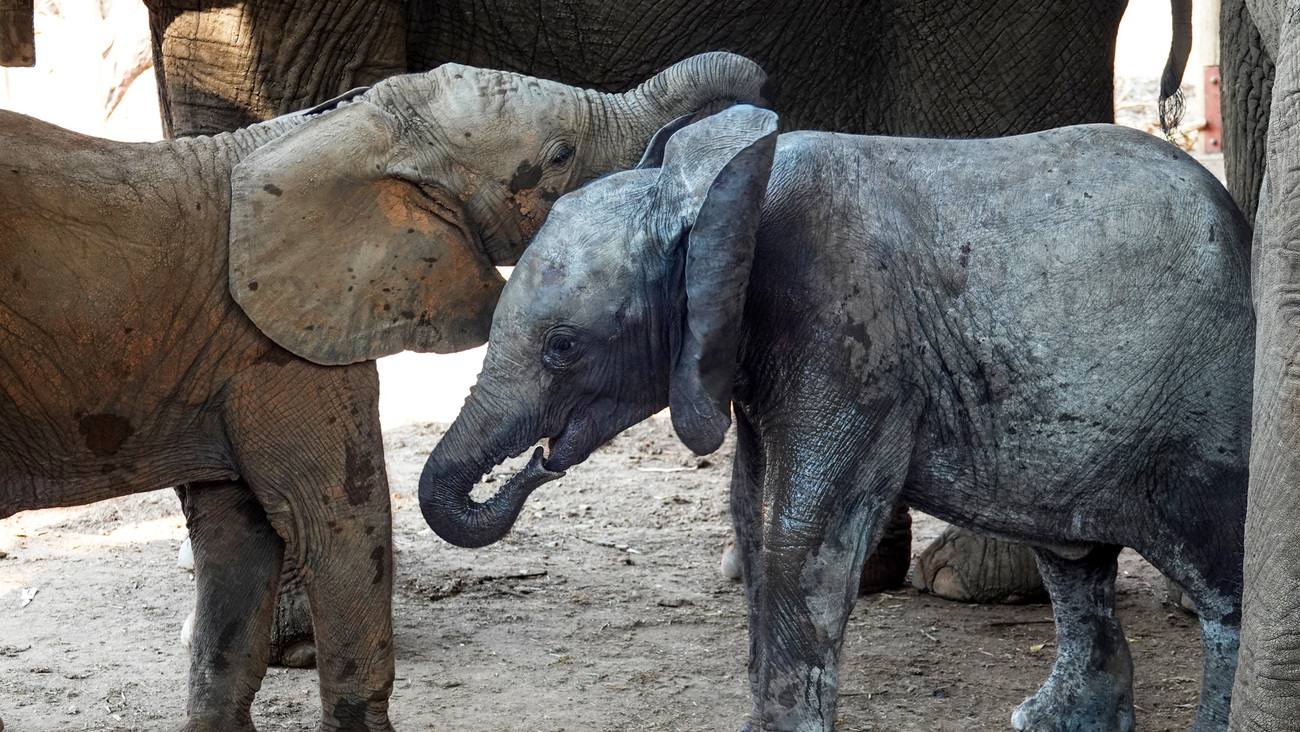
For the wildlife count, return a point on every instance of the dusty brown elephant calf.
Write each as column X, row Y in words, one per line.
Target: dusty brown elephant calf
column 206, row 311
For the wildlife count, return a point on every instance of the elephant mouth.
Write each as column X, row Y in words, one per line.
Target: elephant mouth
column 573, row 444
column 589, row 427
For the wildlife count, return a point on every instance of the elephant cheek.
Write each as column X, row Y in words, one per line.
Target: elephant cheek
column 530, row 207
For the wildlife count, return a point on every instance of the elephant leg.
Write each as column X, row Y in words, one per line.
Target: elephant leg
column 1220, row 641
column 309, row 444
column 1091, row 686
column 292, row 641
column 1207, row 569
column 885, row 569
column 805, row 531
column 236, row 565
column 1247, row 75
column 347, row 572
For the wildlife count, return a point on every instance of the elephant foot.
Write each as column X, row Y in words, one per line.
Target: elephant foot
column 1088, row 703
column 968, row 567
column 1176, row 597
column 210, row 725
column 730, row 564
column 298, row 655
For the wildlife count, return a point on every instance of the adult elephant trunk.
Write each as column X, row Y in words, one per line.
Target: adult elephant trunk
column 478, row 441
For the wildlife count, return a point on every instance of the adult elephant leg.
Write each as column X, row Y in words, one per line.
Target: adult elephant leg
column 222, row 66
column 308, row 440
column 805, row 532
column 1091, row 686
column 236, row 564
column 1246, row 73
column 1266, row 695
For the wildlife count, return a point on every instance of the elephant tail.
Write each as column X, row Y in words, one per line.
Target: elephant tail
column 1171, row 97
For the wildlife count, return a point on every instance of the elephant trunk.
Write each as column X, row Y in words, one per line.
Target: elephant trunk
column 700, row 85
column 461, row 458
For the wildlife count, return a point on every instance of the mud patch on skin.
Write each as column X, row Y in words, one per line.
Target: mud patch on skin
column 360, row 467
column 104, row 433
column 380, row 558
column 526, row 176
column 530, row 207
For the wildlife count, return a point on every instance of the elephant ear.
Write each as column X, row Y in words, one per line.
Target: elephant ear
column 717, row 170
column 340, row 257
column 654, row 152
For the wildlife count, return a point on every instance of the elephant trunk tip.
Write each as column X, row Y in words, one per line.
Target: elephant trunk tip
column 459, row 520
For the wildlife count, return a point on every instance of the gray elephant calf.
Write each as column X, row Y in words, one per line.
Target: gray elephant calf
column 1047, row 338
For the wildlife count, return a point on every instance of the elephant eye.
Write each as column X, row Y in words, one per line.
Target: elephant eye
column 561, row 349
column 562, row 155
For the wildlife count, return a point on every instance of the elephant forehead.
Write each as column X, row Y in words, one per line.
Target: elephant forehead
column 487, row 95
column 558, row 283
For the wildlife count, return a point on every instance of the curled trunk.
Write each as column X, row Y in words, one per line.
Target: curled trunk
column 462, row 457
column 699, row 85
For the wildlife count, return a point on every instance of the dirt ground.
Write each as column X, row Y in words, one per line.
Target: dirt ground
column 603, row 610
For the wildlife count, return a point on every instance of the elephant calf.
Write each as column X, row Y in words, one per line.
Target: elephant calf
column 205, row 312
column 1046, row 338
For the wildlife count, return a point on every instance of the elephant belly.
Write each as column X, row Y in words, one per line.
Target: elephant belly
column 88, row 454
column 42, row 478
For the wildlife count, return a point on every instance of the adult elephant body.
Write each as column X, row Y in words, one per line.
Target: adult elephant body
column 206, row 312
column 989, row 67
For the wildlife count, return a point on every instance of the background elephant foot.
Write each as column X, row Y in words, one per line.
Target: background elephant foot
column 293, row 641
column 1176, row 597
column 885, row 569
column 968, row 567
column 730, row 565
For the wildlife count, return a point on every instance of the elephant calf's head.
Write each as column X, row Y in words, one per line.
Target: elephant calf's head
column 375, row 226
column 629, row 300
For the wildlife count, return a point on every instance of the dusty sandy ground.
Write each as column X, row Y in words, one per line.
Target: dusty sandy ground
column 603, row 610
